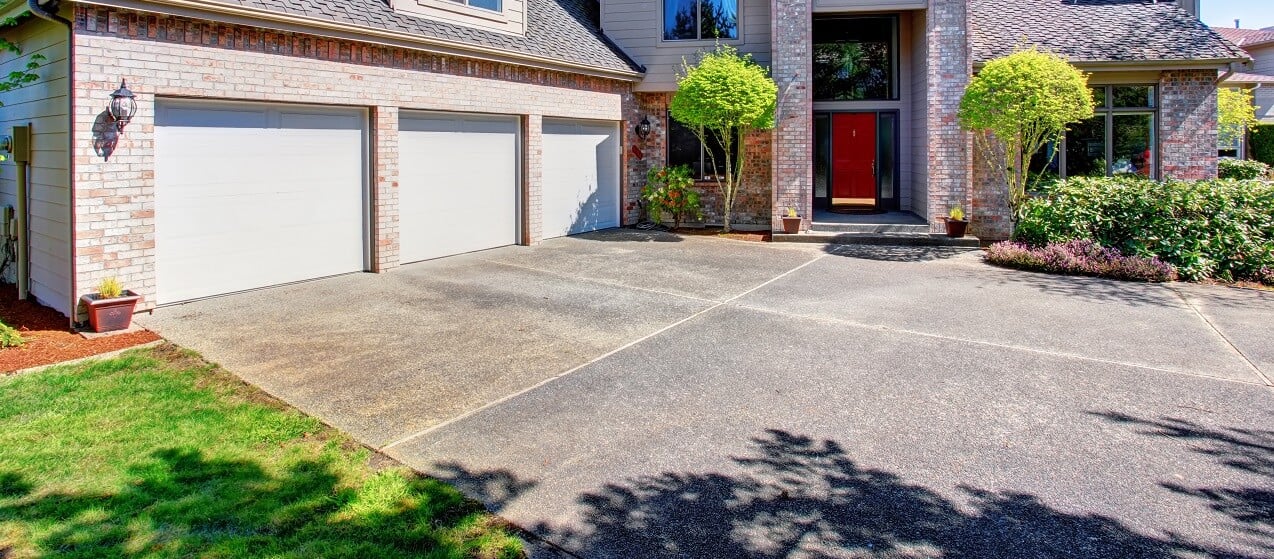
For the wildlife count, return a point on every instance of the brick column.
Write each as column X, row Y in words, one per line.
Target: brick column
column 532, row 179
column 1187, row 124
column 947, row 74
column 385, row 189
column 793, row 160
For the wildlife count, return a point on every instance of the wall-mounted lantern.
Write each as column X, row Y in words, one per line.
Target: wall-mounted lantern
column 643, row 128
column 123, row 106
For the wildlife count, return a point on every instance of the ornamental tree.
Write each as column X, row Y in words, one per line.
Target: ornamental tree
column 1016, row 105
column 1235, row 114
column 723, row 98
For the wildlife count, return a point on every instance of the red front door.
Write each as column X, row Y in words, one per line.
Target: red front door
column 854, row 159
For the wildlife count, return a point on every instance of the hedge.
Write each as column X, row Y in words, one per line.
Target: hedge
column 1261, row 143
column 1221, row 229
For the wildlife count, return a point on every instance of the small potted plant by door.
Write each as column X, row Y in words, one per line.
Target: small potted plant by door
column 111, row 308
column 791, row 222
column 956, row 224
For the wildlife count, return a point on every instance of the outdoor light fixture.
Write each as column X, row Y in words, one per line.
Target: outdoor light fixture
column 123, row 106
column 643, row 128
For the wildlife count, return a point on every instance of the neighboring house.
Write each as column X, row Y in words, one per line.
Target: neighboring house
column 1257, row 73
column 283, row 140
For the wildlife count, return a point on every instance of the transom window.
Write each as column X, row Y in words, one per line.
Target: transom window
column 1120, row 139
column 701, row 19
column 855, row 58
column 493, row 5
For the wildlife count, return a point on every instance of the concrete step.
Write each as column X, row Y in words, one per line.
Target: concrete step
column 825, row 227
column 890, row 239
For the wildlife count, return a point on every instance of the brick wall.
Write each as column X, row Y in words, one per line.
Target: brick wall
column 947, row 73
column 182, row 57
column 752, row 202
column 990, row 216
column 793, row 135
column 1188, row 129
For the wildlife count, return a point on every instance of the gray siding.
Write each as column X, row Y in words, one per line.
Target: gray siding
column 919, row 161
column 636, row 26
column 44, row 105
column 1263, row 63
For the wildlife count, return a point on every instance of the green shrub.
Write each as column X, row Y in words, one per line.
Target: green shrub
column 1262, row 143
column 1222, row 229
column 10, row 337
column 670, row 190
column 1241, row 169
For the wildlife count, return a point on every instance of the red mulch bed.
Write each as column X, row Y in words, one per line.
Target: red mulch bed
column 49, row 337
column 755, row 236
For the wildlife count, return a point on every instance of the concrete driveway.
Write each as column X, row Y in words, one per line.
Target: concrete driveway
column 626, row 394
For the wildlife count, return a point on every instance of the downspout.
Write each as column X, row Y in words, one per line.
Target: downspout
column 37, row 8
column 1229, row 71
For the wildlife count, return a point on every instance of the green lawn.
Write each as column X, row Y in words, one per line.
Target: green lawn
column 158, row 454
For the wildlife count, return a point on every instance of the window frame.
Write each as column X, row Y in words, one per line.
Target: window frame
column 1108, row 113
column 895, row 59
column 699, row 174
column 699, row 38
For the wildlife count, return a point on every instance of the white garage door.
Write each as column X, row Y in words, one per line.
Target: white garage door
column 581, row 176
column 252, row 195
column 457, row 184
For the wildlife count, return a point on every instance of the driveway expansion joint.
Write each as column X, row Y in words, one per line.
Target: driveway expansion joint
column 388, row 447
column 884, row 328
column 1257, row 370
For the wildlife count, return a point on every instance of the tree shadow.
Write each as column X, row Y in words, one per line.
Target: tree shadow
column 890, row 253
column 1087, row 288
column 1250, row 451
column 179, row 502
column 796, row 496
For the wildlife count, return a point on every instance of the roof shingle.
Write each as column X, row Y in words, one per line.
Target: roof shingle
column 1095, row 30
column 563, row 30
column 1246, row 37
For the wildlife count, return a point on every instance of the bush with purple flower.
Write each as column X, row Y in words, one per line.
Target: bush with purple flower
column 1083, row 258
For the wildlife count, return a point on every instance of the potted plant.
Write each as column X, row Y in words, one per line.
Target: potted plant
column 956, row 224
column 111, row 308
column 791, row 222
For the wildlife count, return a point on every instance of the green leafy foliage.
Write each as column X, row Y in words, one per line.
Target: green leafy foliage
column 1241, row 169
column 10, row 337
column 109, row 288
column 670, row 191
column 1261, row 143
column 723, row 98
column 1235, row 114
column 1018, row 103
column 1221, row 229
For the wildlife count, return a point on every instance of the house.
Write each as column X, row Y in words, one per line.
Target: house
column 1257, row 73
column 893, row 71
column 282, row 140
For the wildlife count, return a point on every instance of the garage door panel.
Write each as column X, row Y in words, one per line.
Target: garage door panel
column 240, row 207
column 581, row 177
column 457, row 184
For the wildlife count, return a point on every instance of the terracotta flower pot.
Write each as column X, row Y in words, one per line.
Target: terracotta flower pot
column 791, row 225
column 108, row 315
column 956, row 228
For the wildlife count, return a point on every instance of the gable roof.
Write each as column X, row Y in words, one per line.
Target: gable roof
column 558, row 30
column 1246, row 37
column 1129, row 31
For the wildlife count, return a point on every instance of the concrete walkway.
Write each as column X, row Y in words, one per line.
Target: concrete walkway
column 628, row 394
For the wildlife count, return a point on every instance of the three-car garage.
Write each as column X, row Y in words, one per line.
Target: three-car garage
column 249, row 195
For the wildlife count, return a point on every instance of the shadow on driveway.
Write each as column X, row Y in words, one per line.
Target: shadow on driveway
column 797, row 496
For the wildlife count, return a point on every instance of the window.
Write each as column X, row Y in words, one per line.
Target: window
column 701, row 19
column 684, row 148
column 855, row 58
column 493, row 5
column 1118, row 140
